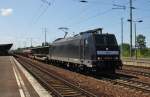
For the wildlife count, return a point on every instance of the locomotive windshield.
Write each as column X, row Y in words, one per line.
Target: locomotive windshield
column 107, row 39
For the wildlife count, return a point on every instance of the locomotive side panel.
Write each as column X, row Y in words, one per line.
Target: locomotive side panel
column 66, row 51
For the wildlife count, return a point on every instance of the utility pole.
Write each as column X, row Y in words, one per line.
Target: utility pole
column 45, row 30
column 120, row 7
column 131, row 27
column 121, row 37
column 31, row 42
column 135, row 41
column 24, row 44
column 139, row 21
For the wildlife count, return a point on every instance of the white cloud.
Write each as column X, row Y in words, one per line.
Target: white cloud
column 6, row 11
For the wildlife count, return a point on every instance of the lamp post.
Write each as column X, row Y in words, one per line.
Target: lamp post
column 121, row 37
column 45, row 36
column 136, row 37
column 123, row 8
column 84, row 1
column 131, row 28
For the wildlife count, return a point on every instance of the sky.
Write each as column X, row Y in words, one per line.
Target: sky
column 23, row 21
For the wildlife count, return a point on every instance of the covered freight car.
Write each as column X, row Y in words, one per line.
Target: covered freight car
column 40, row 53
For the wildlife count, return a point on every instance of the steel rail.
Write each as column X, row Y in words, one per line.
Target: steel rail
column 68, row 84
column 132, row 84
column 145, row 74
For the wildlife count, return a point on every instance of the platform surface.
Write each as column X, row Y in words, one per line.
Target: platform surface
column 8, row 83
column 15, row 81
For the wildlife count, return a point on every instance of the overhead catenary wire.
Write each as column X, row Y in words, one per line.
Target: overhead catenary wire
column 42, row 13
column 35, row 14
column 45, row 4
column 98, row 14
column 39, row 12
column 87, row 7
column 88, row 18
column 91, row 2
column 99, row 2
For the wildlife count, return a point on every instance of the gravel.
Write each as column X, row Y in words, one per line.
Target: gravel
column 94, row 85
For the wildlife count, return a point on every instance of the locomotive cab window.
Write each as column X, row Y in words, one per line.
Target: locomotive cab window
column 105, row 40
column 111, row 40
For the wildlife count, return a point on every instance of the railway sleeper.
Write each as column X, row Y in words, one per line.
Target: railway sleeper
column 71, row 94
column 67, row 91
column 62, row 88
column 54, row 81
column 58, row 85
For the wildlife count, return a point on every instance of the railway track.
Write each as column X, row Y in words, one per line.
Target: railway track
column 65, row 90
column 146, row 74
column 56, row 85
column 129, row 83
column 135, row 84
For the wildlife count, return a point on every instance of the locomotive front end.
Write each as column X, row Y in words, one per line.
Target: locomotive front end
column 107, row 53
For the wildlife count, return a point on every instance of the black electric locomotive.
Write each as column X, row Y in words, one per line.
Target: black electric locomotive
column 89, row 50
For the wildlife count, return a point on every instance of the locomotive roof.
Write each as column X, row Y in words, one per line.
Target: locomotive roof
column 64, row 39
column 97, row 31
column 77, row 37
column 94, row 31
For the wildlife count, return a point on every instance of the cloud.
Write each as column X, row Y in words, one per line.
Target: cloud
column 6, row 11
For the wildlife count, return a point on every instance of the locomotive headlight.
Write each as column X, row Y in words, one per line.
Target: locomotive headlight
column 99, row 58
column 116, row 58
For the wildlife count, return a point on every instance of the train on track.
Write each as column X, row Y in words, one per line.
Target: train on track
column 88, row 51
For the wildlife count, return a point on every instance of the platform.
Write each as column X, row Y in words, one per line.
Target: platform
column 15, row 81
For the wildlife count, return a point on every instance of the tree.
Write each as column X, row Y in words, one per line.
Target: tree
column 141, row 41
column 126, row 49
column 45, row 44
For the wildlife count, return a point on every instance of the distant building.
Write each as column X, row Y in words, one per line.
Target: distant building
column 4, row 48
